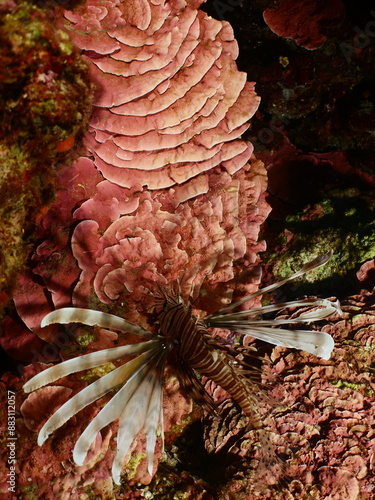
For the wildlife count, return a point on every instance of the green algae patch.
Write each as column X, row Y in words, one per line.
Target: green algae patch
column 343, row 221
column 45, row 98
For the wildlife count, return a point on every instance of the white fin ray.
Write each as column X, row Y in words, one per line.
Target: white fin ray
column 91, row 317
column 320, row 344
column 328, row 307
column 246, row 322
column 235, row 322
column 314, row 264
column 331, row 308
column 118, row 404
column 87, row 396
column 155, row 408
column 161, row 419
column 85, row 362
column 136, row 414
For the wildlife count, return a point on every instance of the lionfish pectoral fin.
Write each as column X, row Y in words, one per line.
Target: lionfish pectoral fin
column 310, row 266
column 141, row 408
column 320, row 344
column 91, row 317
column 90, row 393
column 326, row 308
column 137, row 404
column 85, row 362
column 244, row 322
column 113, row 409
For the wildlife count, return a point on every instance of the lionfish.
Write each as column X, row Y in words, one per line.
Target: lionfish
column 138, row 404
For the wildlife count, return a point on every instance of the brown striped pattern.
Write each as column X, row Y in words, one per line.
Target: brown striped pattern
column 188, row 335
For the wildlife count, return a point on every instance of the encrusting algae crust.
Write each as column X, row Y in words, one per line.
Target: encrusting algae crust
column 45, row 99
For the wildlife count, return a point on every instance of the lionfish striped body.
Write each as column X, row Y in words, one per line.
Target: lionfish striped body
column 197, row 350
column 138, row 402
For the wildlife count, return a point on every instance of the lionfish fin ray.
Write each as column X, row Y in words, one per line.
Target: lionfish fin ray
column 88, row 395
column 91, row 317
column 155, row 408
column 85, row 362
column 320, row 344
column 114, row 408
column 310, row 266
column 327, row 307
column 140, row 409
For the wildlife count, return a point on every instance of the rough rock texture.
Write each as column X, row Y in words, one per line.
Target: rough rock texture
column 318, row 205
column 322, row 100
column 322, row 419
column 45, row 94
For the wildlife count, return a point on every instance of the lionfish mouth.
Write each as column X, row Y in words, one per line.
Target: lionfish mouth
column 138, row 404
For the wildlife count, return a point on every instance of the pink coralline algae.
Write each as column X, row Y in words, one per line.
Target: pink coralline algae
column 131, row 238
column 306, row 22
column 170, row 103
column 323, row 421
column 169, row 108
column 198, row 225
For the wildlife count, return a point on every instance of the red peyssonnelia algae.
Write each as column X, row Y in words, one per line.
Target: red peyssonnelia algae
column 180, row 199
column 133, row 237
column 306, row 22
column 169, row 108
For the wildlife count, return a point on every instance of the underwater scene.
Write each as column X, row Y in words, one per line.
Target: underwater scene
column 187, row 250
